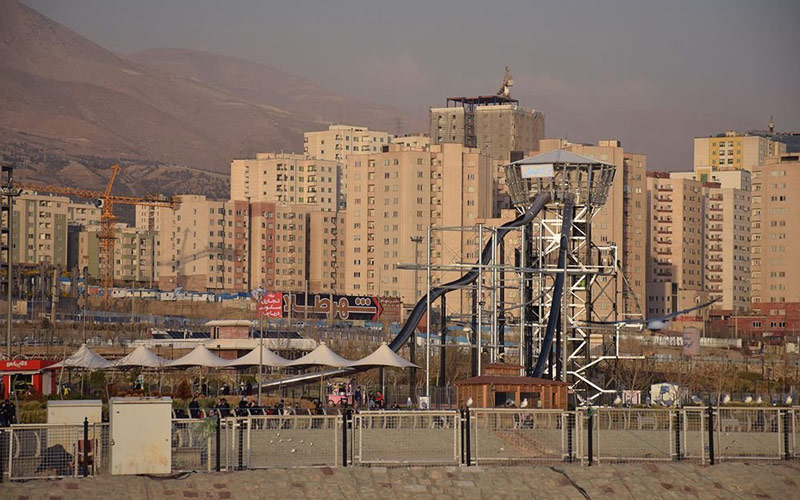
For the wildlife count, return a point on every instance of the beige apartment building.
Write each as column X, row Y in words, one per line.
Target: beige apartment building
column 775, row 274
column 732, row 150
column 40, row 225
column 287, row 178
column 413, row 141
column 235, row 246
column 497, row 126
column 622, row 220
column 339, row 142
column 726, row 208
column 134, row 254
column 394, row 196
column 675, row 246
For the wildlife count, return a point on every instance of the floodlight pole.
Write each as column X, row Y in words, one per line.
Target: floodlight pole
column 412, row 346
column 428, row 325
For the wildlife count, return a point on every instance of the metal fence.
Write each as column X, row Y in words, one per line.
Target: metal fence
column 444, row 437
column 750, row 433
column 407, row 437
column 622, row 435
column 518, row 435
column 55, row 450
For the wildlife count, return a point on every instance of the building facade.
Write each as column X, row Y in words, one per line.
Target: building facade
column 497, row 126
column 675, row 245
column 775, row 276
column 286, row 178
column 393, row 196
column 732, row 150
column 40, row 225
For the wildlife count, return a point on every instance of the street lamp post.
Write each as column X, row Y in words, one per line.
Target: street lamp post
column 412, row 346
column 10, row 192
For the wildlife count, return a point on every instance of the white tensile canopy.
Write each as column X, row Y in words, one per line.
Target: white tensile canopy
column 84, row 358
column 142, row 357
column 200, row 356
column 321, row 356
column 384, row 356
column 253, row 358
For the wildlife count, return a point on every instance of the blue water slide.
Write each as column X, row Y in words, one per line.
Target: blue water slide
column 421, row 307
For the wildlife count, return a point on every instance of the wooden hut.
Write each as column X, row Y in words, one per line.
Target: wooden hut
column 501, row 383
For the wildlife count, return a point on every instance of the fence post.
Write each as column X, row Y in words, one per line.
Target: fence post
column 219, row 440
column 85, row 462
column 570, row 425
column 710, row 411
column 469, row 437
column 241, row 422
column 3, row 454
column 346, row 416
column 678, row 422
column 786, row 429
column 590, row 434
column 461, row 419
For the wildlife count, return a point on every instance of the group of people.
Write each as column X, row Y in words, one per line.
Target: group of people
column 8, row 413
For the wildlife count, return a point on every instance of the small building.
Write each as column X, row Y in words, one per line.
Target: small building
column 230, row 328
column 501, row 383
column 27, row 374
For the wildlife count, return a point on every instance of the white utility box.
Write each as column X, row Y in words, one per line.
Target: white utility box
column 141, row 430
column 74, row 411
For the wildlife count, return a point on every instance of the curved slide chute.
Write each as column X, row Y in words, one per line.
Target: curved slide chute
column 421, row 306
column 558, row 289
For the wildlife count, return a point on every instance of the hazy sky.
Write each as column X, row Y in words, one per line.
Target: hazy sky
column 652, row 74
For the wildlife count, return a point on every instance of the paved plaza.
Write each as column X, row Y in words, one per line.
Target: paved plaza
column 566, row 482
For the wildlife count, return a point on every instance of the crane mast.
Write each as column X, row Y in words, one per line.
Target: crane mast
column 105, row 201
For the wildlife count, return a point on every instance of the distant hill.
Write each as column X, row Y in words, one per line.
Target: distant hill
column 65, row 99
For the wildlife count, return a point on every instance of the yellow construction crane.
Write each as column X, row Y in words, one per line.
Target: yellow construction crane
column 105, row 201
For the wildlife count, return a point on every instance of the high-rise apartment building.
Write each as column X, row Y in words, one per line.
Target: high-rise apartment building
column 726, row 235
column 286, row 178
column 734, row 150
column 237, row 246
column 622, row 220
column 496, row 125
column 675, row 243
column 40, row 225
column 339, row 141
column 775, row 276
column 134, row 254
column 394, row 196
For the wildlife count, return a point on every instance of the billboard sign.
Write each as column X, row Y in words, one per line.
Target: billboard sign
column 320, row 306
column 536, row 171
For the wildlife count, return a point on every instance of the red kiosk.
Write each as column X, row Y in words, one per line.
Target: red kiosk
column 28, row 373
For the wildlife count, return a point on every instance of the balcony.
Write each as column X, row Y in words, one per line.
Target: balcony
column 714, row 208
column 714, row 259
column 714, row 218
column 663, row 209
column 664, row 230
column 664, row 199
column 715, row 229
column 664, row 220
column 714, row 280
column 664, row 188
column 664, row 251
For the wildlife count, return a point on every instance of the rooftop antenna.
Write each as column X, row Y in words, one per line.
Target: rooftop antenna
column 508, row 82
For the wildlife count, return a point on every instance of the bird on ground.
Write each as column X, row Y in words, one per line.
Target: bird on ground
column 469, row 402
column 697, row 400
column 726, row 399
column 524, row 403
column 748, row 400
column 617, row 401
column 653, row 324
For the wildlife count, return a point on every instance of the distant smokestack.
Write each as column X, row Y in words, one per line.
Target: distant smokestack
column 771, row 125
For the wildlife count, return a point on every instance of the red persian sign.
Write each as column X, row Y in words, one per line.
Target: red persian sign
column 271, row 305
